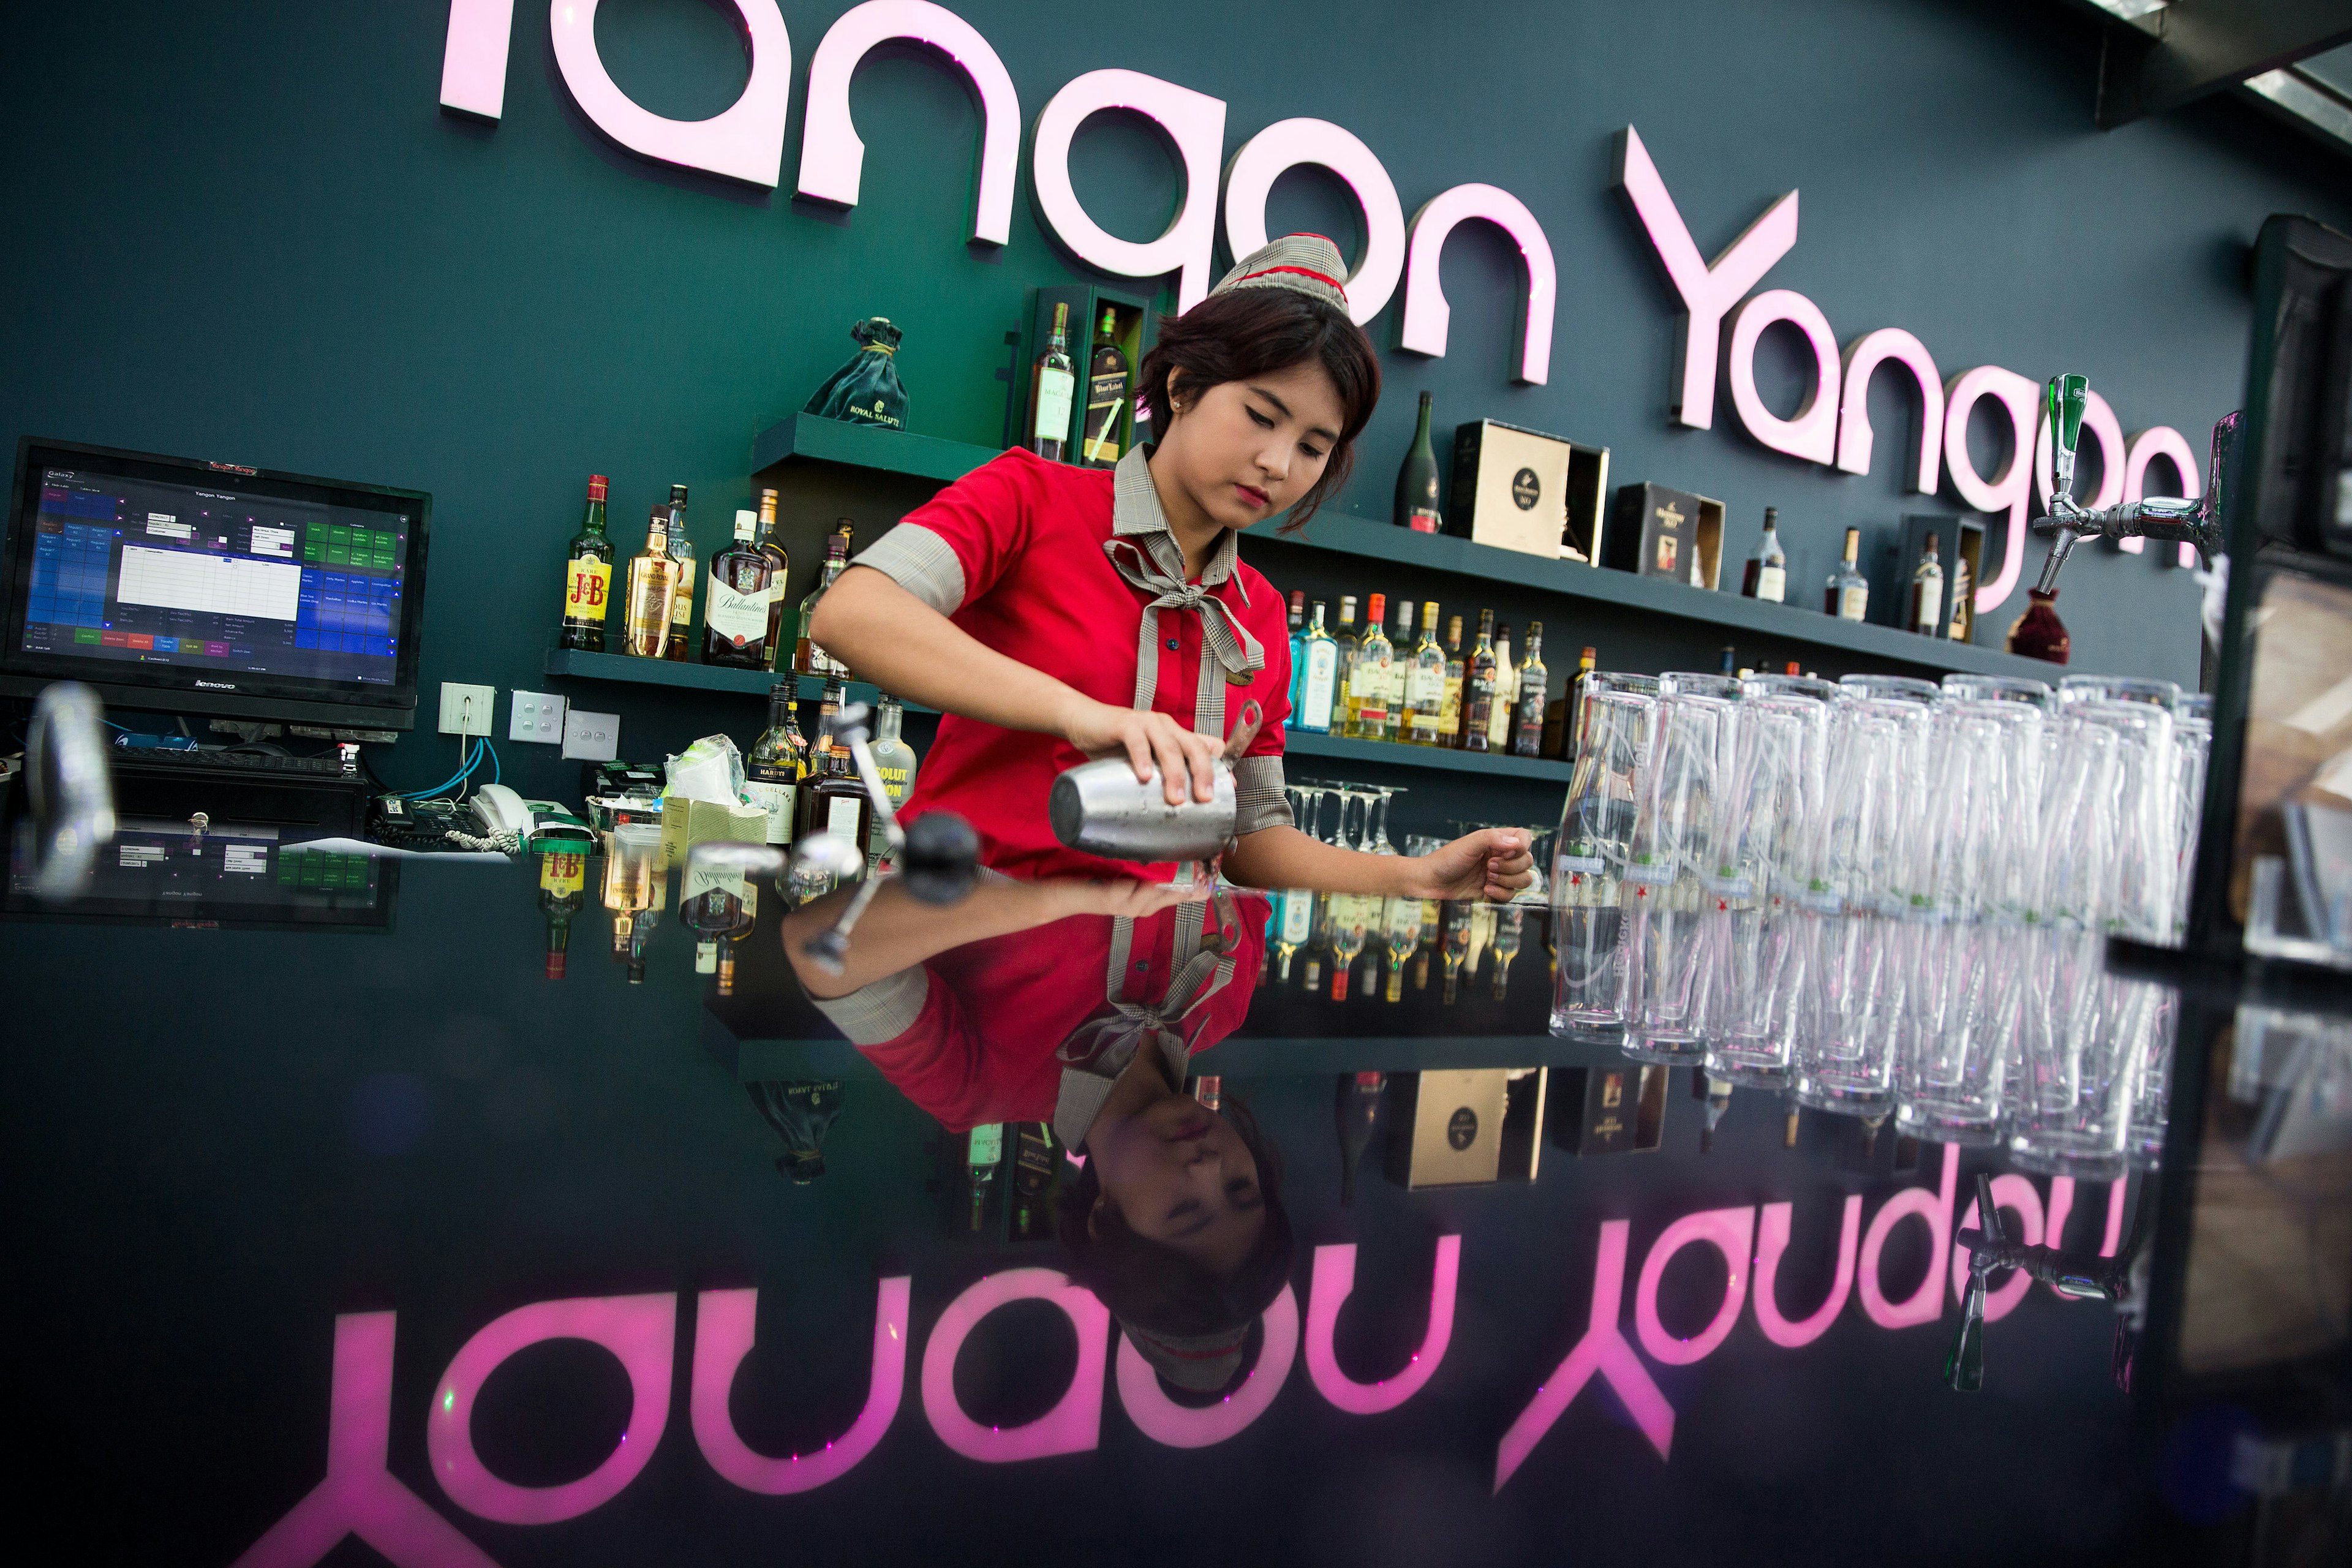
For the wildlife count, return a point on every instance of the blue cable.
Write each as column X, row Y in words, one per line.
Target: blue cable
column 472, row 759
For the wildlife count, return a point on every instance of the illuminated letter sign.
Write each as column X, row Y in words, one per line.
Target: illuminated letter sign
column 2013, row 488
column 1926, row 1304
column 1708, row 291
column 723, row 1338
column 1862, row 356
column 832, row 157
column 1730, row 1232
column 1163, row 1420
column 641, row 1330
column 1603, row 1350
column 1289, row 143
column 1073, row 1426
column 1194, row 121
column 359, row 1496
column 1335, row 1277
column 745, row 143
column 474, row 57
column 1425, row 310
column 1813, row 434
column 1771, row 1242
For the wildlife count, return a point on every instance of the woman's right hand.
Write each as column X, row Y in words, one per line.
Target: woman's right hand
column 1153, row 742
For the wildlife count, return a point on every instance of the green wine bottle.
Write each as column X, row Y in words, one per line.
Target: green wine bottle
column 1416, row 490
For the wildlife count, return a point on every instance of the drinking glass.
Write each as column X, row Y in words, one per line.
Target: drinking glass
column 2083, row 1050
column 1618, row 715
column 1380, row 845
column 1683, row 874
column 2074, row 688
column 1999, row 688
column 2144, row 806
column 1895, row 687
column 1351, row 797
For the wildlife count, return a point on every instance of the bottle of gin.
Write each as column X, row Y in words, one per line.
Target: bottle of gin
column 1053, row 381
column 679, row 644
column 653, row 583
column 895, row 761
column 780, row 567
column 1478, row 687
column 1318, row 687
column 1848, row 594
column 735, row 611
column 1926, row 608
column 1768, row 569
column 1105, row 395
column 1527, row 726
column 809, row 658
column 1424, row 684
column 588, row 576
column 1416, row 486
column 778, row 761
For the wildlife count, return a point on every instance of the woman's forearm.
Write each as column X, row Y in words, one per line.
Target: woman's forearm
column 1275, row 858
column 902, row 645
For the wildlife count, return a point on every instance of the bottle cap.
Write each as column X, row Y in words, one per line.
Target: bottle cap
column 1535, row 628
column 555, row 966
column 596, row 486
column 1429, row 614
column 1771, row 516
column 1591, row 653
column 1379, row 609
column 1347, row 606
column 677, row 493
column 1298, row 598
column 745, row 523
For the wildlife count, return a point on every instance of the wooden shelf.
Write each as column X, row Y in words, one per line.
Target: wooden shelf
column 1426, row 553
column 812, row 439
column 577, row 665
column 1390, row 753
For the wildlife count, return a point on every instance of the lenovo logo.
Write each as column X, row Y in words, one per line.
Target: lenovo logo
column 217, row 685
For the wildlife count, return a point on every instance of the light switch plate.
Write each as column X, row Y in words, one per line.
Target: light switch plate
column 468, row 710
column 592, row 737
column 536, row 717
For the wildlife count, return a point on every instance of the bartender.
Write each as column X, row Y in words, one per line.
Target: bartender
column 1053, row 612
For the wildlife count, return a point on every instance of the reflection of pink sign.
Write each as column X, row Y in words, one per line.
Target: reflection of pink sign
column 1076, row 1420
column 723, row 1338
column 1335, row 1279
column 1163, row 1420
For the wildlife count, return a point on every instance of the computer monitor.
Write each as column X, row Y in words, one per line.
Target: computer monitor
column 175, row 585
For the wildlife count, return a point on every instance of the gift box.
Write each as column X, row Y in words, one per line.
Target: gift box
column 1661, row 532
column 1521, row 490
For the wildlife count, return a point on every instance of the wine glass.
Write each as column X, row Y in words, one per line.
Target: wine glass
column 1380, row 845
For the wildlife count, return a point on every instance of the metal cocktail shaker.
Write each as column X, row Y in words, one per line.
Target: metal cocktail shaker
column 1100, row 808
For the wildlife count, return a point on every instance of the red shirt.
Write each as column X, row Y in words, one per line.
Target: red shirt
column 1027, row 538
column 994, row 1013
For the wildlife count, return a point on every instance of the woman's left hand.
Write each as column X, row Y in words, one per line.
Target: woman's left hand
column 1491, row 864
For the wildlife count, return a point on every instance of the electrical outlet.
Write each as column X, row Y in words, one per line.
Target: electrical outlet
column 592, row 737
column 468, row 710
column 536, row 717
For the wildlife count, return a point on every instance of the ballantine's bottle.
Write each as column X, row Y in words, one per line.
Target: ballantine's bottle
column 588, row 576
column 735, row 616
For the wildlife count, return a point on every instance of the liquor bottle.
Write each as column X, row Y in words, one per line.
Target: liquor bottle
column 562, row 893
column 1527, row 731
column 1370, row 717
column 1297, row 645
column 679, row 645
column 1560, row 717
column 1318, row 689
column 1034, row 1170
column 1416, row 487
column 1424, row 684
column 1106, row 397
column 1728, row 661
column 1401, row 658
column 588, row 576
column 780, row 567
column 1053, row 381
column 1768, row 569
column 986, row 1149
column 1209, row 1088
column 1927, row 592
column 809, row 658
column 1718, row 1101
column 1964, row 601
column 734, row 936
column 779, row 761
column 1293, row 926
column 835, row 804
column 1355, row 1111
column 1848, row 594
column 1454, row 947
column 1498, row 715
column 653, row 583
column 1478, row 687
column 1400, row 934
column 735, row 612
column 1351, row 927
column 1449, row 717
column 895, row 761
column 1343, row 709
column 1511, row 923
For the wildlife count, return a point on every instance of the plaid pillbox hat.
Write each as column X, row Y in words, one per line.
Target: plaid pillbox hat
column 1303, row 263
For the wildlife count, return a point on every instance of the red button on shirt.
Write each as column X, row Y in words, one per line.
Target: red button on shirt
column 1029, row 536
column 995, row 1012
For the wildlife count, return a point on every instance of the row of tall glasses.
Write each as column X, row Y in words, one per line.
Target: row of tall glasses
column 1886, row 896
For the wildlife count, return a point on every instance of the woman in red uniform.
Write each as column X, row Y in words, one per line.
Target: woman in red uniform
column 1053, row 612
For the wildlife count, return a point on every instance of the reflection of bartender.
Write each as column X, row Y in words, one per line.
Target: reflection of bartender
column 1081, row 1003
column 1052, row 612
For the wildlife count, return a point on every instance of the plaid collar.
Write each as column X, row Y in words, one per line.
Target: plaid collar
column 1136, row 513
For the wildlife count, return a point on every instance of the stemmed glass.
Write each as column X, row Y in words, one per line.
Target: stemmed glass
column 1380, row 844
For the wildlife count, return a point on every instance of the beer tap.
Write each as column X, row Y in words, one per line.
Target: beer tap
column 2193, row 522
column 2075, row 1275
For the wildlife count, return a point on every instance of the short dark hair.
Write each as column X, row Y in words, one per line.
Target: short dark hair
column 1245, row 333
column 1156, row 1287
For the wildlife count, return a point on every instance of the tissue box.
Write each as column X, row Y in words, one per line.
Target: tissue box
column 687, row 823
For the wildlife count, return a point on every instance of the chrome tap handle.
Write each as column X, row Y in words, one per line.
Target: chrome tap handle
column 2198, row 522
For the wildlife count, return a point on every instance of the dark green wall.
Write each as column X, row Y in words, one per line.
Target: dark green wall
column 249, row 232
